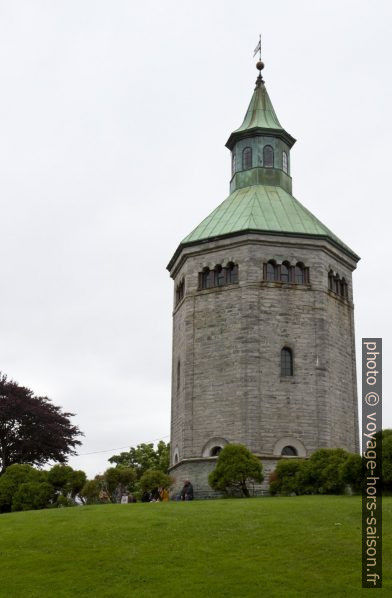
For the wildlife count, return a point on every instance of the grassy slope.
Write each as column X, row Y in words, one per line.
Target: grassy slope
column 228, row 548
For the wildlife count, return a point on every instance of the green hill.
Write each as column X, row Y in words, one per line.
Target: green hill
column 283, row 547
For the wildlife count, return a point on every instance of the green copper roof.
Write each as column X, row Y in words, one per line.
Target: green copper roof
column 260, row 112
column 260, row 118
column 261, row 208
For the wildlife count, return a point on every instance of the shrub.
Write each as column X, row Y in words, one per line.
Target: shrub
column 12, row 478
column 351, row 471
column 154, row 478
column 32, row 495
column 235, row 468
column 285, row 479
column 90, row 491
column 121, row 478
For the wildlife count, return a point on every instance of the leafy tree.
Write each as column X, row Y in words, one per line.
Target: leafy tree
column 12, row 478
column 90, row 491
column 32, row 495
column 235, row 467
column 351, row 471
column 285, row 479
column 154, row 478
column 119, row 477
column 66, row 481
column 326, row 470
column 145, row 457
column 32, row 429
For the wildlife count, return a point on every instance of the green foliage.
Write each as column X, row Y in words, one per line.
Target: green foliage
column 67, row 482
column 144, row 457
column 90, row 491
column 120, row 477
column 235, row 468
column 327, row 471
column 12, row 478
column 32, row 495
column 154, row 478
column 285, row 479
column 351, row 471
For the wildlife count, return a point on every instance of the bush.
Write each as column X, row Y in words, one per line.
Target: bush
column 66, row 481
column 12, row 478
column 32, row 495
column 90, row 491
column 235, row 468
column 119, row 478
column 327, row 471
column 154, row 478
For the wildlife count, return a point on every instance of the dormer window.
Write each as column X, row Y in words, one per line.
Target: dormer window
column 268, row 156
column 285, row 163
column 247, row 158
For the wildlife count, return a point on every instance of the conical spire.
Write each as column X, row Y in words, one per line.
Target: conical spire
column 260, row 118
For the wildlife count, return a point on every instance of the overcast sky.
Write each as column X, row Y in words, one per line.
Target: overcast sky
column 114, row 116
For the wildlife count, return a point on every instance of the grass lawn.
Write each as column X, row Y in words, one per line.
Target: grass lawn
column 223, row 548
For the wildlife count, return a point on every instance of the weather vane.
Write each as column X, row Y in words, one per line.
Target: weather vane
column 259, row 64
column 258, row 48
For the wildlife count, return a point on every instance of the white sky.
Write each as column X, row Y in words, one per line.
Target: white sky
column 113, row 120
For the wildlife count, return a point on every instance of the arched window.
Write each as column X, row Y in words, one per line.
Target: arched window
column 215, row 451
column 299, row 274
column 247, row 158
column 232, row 273
column 175, row 458
column 268, row 156
column 233, row 164
column 207, row 279
column 220, row 276
column 344, row 288
column 285, row 163
column 330, row 280
column 289, row 451
column 286, row 362
column 270, row 271
column 336, row 284
column 180, row 291
column 285, row 272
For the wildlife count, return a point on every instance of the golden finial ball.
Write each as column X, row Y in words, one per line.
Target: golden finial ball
column 260, row 65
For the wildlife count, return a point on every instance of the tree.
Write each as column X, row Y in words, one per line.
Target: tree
column 66, row 481
column 32, row 429
column 14, row 476
column 236, row 466
column 90, row 491
column 121, row 478
column 145, row 457
column 154, row 478
column 32, row 495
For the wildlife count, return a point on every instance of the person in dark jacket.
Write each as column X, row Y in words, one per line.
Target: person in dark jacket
column 146, row 497
column 187, row 491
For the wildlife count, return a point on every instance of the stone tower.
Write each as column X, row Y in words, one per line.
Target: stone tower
column 263, row 327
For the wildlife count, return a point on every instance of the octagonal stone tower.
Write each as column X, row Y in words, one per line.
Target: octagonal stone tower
column 263, row 328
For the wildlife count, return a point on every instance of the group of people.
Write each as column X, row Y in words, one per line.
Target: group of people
column 156, row 495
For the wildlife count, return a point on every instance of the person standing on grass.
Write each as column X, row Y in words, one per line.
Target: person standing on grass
column 187, row 491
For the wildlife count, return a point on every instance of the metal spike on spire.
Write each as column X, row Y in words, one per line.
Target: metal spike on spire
column 259, row 64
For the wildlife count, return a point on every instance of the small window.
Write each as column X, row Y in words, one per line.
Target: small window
column 176, row 459
column 299, row 274
column 207, row 279
column 180, row 292
column 220, row 276
column 215, row 451
column 286, row 362
column 285, row 163
column 330, row 280
column 344, row 288
column 268, row 157
column 271, row 271
column 285, row 272
column 233, row 164
column 247, row 158
column 289, row 451
column 232, row 274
